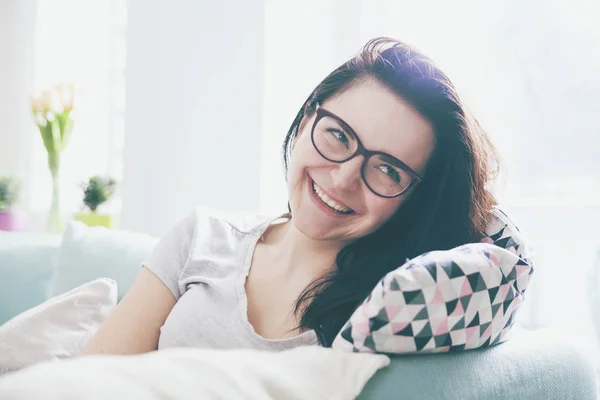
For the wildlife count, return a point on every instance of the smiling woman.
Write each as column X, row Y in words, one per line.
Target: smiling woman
column 331, row 156
column 392, row 99
column 383, row 164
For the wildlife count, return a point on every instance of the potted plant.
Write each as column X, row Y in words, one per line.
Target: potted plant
column 97, row 191
column 9, row 192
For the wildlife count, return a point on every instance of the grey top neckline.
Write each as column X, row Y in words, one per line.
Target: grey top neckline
column 205, row 260
column 241, row 284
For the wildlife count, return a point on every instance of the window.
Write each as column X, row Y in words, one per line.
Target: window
column 528, row 71
column 82, row 42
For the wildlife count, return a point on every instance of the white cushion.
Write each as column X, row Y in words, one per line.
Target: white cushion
column 89, row 253
column 58, row 328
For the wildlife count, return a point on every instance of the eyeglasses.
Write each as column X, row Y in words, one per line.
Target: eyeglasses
column 336, row 141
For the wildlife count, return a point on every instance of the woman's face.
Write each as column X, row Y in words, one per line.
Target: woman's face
column 382, row 121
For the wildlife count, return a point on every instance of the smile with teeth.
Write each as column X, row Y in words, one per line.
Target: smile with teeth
column 329, row 202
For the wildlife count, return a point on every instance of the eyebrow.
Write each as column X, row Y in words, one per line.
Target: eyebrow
column 387, row 157
column 393, row 160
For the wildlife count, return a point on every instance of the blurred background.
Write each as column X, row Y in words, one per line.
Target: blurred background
column 187, row 102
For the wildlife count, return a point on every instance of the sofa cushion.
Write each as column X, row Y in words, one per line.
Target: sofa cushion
column 89, row 253
column 58, row 328
column 26, row 264
column 452, row 300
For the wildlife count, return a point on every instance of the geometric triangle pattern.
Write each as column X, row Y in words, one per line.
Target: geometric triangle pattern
column 446, row 301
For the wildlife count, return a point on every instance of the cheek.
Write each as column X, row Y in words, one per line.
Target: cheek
column 303, row 156
column 382, row 209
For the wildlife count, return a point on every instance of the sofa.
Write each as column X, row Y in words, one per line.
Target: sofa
column 532, row 364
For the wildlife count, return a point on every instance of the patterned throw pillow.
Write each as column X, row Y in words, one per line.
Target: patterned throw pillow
column 453, row 300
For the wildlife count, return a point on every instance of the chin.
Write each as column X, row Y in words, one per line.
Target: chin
column 313, row 230
column 312, row 219
column 314, row 225
column 318, row 222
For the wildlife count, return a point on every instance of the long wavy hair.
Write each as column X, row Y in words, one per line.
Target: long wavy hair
column 450, row 207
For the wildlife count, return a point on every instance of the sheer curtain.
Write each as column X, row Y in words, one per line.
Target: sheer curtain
column 529, row 72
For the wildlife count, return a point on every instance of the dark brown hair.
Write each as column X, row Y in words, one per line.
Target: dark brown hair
column 450, row 207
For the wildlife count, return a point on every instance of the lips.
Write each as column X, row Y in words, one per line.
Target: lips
column 332, row 204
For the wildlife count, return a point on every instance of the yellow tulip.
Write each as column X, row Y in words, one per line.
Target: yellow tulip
column 37, row 104
column 69, row 95
column 50, row 100
column 52, row 111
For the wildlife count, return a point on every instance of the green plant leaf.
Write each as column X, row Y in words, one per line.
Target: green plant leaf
column 9, row 192
column 56, row 136
column 60, row 122
column 46, row 132
column 66, row 133
column 98, row 190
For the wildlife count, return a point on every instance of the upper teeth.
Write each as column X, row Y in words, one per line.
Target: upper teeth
column 327, row 200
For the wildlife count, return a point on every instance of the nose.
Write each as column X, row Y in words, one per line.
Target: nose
column 347, row 176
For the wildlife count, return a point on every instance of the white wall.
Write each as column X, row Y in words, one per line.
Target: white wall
column 193, row 111
column 301, row 48
column 17, row 132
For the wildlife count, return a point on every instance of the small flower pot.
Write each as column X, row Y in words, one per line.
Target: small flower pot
column 93, row 219
column 10, row 221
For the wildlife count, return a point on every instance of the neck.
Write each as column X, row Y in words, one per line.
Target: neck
column 295, row 252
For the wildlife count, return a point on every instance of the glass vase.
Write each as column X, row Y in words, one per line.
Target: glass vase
column 55, row 222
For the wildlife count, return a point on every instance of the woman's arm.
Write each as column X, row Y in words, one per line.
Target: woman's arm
column 135, row 324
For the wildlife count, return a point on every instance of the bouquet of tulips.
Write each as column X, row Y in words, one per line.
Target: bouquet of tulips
column 54, row 114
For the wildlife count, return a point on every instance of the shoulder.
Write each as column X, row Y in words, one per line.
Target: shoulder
column 206, row 242
column 205, row 219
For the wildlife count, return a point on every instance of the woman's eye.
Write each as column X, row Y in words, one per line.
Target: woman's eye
column 341, row 136
column 391, row 172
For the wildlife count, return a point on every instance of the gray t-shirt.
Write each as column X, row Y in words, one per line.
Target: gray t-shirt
column 204, row 260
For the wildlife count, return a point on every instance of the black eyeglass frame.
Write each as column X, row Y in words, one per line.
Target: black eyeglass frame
column 361, row 150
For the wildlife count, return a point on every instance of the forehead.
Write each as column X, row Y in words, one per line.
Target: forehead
column 385, row 122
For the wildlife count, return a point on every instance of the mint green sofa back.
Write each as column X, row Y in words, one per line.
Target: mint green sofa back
column 26, row 266
column 542, row 364
column 531, row 365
